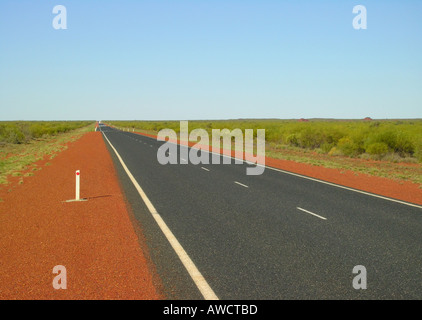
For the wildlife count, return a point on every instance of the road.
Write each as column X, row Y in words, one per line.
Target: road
column 273, row 236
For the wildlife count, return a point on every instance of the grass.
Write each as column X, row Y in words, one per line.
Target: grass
column 18, row 157
column 386, row 148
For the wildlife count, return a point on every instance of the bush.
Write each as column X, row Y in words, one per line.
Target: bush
column 292, row 140
column 327, row 147
column 348, row 147
column 403, row 145
column 396, row 142
column 418, row 151
column 377, row 148
column 310, row 139
column 14, row 135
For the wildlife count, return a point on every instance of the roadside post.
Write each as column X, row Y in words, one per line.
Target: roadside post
column 78, row 182
column 77, row 188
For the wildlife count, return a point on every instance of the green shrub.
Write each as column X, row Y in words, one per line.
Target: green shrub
column 14, row 135
column 292, row 140
column 348, row 147
column 418, row 151
column 377, row 148
column 403, row 145
column 327, row 147
column 310, row 138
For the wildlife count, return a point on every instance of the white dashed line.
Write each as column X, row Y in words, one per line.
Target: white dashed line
column 205, row 169
column 241, row 184
column 314, row 214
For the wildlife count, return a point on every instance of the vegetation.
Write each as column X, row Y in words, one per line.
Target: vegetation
column 384, row 148
column 24, row 143
column 18, row 132
column 400, row 140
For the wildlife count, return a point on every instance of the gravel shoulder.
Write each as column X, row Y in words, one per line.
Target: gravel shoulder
column 95, row 240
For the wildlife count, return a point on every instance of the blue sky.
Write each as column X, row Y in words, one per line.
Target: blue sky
column 156, row 60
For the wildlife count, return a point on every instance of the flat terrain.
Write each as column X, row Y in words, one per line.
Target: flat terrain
column 281, row 235
column 274, row 236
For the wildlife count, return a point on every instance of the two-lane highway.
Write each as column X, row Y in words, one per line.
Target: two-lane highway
column 273, row 236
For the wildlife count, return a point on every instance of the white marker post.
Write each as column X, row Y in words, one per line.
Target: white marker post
column 78, row 181
column 77, row 188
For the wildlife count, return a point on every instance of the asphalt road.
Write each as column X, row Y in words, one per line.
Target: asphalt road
column 273, row 236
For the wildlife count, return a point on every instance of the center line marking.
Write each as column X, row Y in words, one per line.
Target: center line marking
column 241, row 184
column 205, row 169
column 314, row 214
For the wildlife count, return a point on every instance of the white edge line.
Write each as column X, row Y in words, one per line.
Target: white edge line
column 312, row 179
column 193, row 271
column 314, row 214
column 241, row 184
column 348, row 188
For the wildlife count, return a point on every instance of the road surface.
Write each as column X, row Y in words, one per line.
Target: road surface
column 273, row 236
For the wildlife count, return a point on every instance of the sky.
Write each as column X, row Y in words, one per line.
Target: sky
column 203, row 59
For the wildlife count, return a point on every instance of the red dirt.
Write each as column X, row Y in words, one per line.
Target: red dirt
column 95, row 240
column 406, row 191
